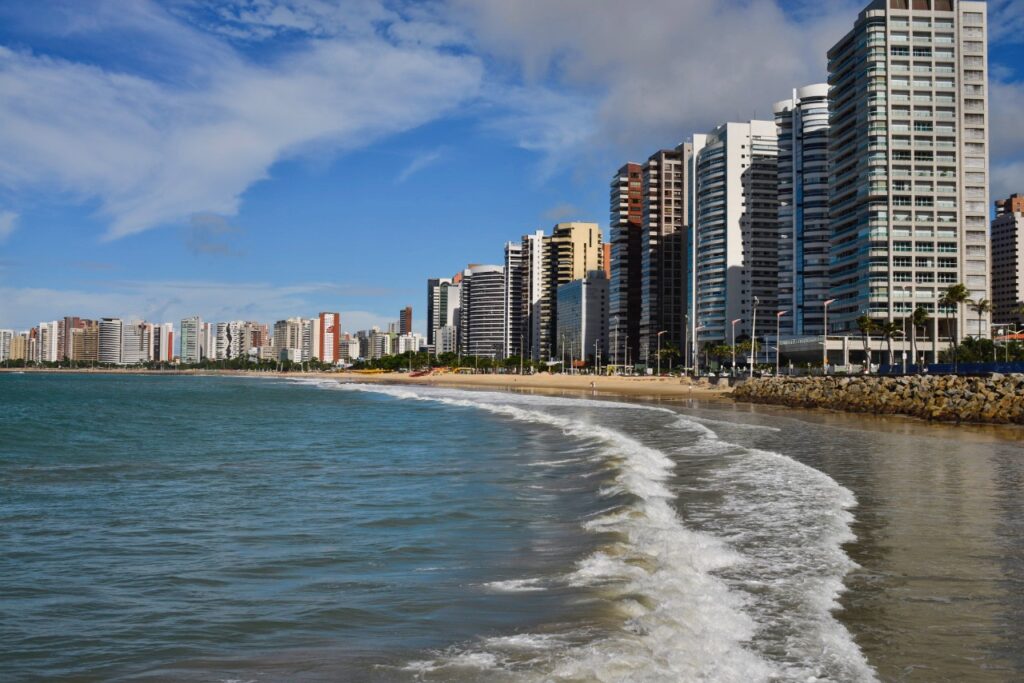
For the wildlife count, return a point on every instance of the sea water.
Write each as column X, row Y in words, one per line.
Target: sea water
column 243, row 529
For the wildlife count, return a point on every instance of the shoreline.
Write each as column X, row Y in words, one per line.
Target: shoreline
column 590, row 385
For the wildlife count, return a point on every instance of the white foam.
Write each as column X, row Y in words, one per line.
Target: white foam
column 515, row 586
column 682, row 619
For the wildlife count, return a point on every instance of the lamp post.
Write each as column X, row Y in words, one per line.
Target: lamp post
column 778, row 327
column 824, row 340
column 734, row 344
column 659, row 350
column 753, row 338
column 1001, row 333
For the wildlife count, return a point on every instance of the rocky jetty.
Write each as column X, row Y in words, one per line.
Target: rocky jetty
column 995, row 399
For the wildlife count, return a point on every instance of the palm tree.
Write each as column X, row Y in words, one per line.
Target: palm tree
column 920, row 318
column 889, row 329
column 951, row 300
column 981, row 307
column 866, row 326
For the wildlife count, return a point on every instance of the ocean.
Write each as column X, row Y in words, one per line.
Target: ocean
column 240, row 529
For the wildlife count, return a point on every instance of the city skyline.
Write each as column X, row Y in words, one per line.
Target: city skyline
column 284, row 231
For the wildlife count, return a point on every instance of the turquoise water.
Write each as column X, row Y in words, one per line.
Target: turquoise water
column 241, row 529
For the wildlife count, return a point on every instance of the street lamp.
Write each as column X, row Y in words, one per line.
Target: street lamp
column 734, row 344
column 824, row 342
column 1001, row 333
column 659, row 350
column 753, row 338
column 778, row 324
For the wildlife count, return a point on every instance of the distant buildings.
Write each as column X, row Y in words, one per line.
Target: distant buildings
column 191, row 340
column 330, row 337
column 625, row 264
column 1008, row 261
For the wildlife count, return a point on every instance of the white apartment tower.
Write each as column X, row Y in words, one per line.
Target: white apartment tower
column 909, row 162
column 483, row 311
column 110, row 341
column 515, row 336
column 736, row 230
column 804, row 236
column 535, row 315
column 191, row 340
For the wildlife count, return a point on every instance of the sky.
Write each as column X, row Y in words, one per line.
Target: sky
column 261, row 159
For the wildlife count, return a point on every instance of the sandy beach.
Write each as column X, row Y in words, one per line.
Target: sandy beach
column 633, row 387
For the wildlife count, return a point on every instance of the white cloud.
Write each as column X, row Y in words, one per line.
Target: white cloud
column 8, row 224
column 1006, row 21
column 419, row 162
column 21, row 307
column 153, row 152
column 659, row 70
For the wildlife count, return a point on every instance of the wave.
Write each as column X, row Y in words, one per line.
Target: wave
column 688, row 602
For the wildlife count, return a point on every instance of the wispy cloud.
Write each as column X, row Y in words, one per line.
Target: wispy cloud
column 155, row 152
column 8, row 224
column 211, row 235
column 420, row 162
column 561, row 212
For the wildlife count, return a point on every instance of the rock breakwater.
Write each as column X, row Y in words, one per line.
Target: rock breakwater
column 996, row 399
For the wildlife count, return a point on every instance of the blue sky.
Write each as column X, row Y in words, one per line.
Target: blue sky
column 259, row 159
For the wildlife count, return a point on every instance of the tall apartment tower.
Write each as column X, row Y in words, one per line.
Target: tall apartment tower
column 191, row 331
column 330, row 336
column 625, row 275
column 574, row 249
column 405, row 320
column 804, row 236
column 909, row 162
column 110, row 341
column 663, row 266
column 6, row 337
column 736, row 234
column 515, row 335
column 1008, row 261
column 433, row 304
column 483, row 311
column 535, row 302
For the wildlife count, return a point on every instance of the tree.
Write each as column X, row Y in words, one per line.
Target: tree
column 867, row 325
column 952, row 298
column 920, row 318
column 981, row 307
column 889, row 329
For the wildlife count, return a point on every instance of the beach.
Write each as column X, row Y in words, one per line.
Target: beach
column 626, row 387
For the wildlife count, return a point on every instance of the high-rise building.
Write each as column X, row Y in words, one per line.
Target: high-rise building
column 47, row 342
column 534, row 300
column 736, row 233
column 65, row 339
column 85, row 342
column 288, row 339
column 19, row 347
column 406, row 321
column 162, row 347
column 1008, row 261
column 6, row 337
column 804, row 237
column 909, row 162
column 483, row 311
column 625, row 264
column 663, row 249
column 583, row 319
column 515, row 335
column 110, row 338
column 433, row 305
column 208, row 349
column 310, row 339
column 330, row 337
column 191, row 340
column 574, row 249
column 133, row 343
